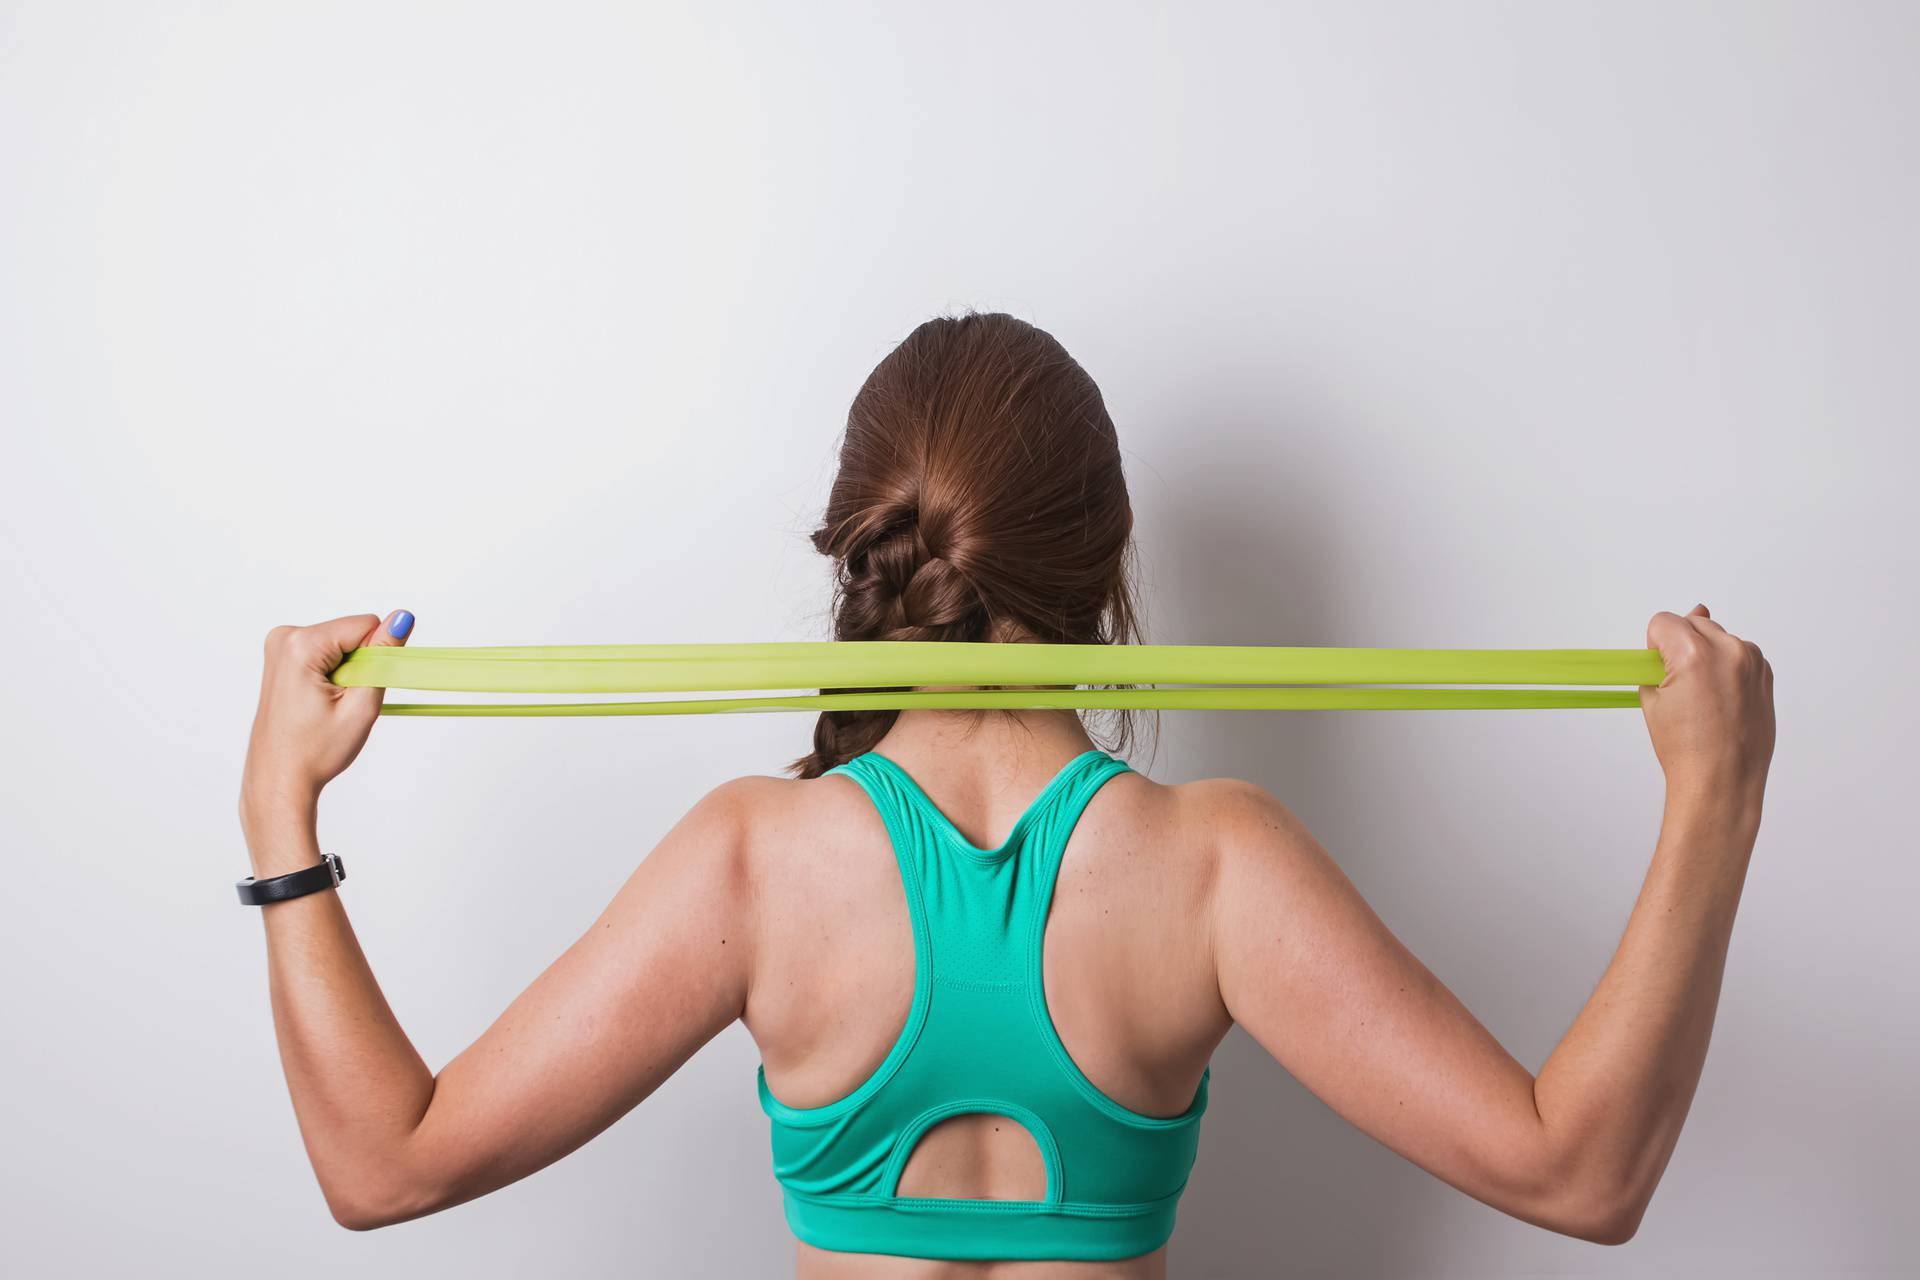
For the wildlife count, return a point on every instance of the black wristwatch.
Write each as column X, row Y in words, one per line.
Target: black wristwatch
column 324, row 874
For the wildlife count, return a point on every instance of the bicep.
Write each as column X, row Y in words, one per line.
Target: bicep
column 1319, row 980
column 657, row 975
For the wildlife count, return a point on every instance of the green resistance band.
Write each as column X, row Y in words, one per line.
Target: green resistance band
column 1235, row 672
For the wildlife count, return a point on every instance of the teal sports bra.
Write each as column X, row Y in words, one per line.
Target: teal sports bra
column 978, row 1040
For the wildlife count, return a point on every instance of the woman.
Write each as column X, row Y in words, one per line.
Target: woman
column 985, row 962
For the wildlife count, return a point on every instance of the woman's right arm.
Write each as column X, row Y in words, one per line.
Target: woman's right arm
column 1313, row 975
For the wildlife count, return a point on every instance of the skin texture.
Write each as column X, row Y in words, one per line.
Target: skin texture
column 1180, row 910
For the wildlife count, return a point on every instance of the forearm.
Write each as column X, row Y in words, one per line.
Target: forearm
column 1614, row 1094
column 359, row 1088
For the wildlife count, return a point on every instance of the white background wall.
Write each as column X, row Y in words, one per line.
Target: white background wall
column 1424, row 324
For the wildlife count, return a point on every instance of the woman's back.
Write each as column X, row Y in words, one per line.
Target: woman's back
column 971, row 1062
column 1126, row 962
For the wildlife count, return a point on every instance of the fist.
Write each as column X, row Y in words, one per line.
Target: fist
column 1711, row 719
column 307, row 729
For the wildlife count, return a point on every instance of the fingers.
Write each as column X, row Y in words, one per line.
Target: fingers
column 1682, row 639
column 318, row 647
column 1675, row 638
column 1702, row 621
column 344, row 633
column 389, row 634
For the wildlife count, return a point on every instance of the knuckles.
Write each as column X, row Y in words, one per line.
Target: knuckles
column 1679, row 643
column 288, row 641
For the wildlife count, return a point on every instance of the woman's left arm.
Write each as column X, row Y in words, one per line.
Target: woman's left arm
column 662, row 971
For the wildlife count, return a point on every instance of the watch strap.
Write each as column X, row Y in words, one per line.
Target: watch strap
column 324, row 874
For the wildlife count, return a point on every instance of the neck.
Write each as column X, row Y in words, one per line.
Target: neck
column 998, row 742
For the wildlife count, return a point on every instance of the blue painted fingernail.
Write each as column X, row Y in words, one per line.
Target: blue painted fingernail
column 401, row 624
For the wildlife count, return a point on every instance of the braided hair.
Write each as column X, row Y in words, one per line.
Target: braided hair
column 979, row 497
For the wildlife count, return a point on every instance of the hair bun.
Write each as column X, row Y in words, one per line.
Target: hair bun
column 939, row 597
column 901, row 589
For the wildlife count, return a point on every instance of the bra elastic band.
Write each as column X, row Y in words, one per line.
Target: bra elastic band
column 879, row 675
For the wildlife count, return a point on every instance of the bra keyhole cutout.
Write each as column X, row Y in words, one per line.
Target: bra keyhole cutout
column 976, row 1157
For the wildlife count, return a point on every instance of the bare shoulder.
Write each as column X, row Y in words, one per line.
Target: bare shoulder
column 1258, row 854
column 756, row 798
column 784, row 827
column 764, row 804
column 1234, row 819
column 1174, row 840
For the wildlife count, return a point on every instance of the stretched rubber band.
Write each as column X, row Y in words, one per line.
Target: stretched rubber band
column 864, row 666
column 1223, row 699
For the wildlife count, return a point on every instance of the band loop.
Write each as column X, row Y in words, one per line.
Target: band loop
column 1233, row 677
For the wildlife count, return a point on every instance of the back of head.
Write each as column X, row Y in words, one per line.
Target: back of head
column 980, row 497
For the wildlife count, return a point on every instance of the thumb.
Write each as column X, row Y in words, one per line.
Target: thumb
column 389, row 634
column 394, row 631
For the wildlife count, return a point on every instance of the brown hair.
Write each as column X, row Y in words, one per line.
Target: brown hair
column 979, row 497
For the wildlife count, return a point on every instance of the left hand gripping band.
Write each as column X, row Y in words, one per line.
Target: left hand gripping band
column 880, row 674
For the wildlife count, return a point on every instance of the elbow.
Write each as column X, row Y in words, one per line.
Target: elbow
column 1584, row 1203
column 1606, row 1214
column 1605, row 1223
column 372, row 1205
column 362, row 1212
column 356, row 1217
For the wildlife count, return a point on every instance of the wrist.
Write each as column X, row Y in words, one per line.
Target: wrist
column 1730, row 795
column 273, row 797
column 280, row 825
